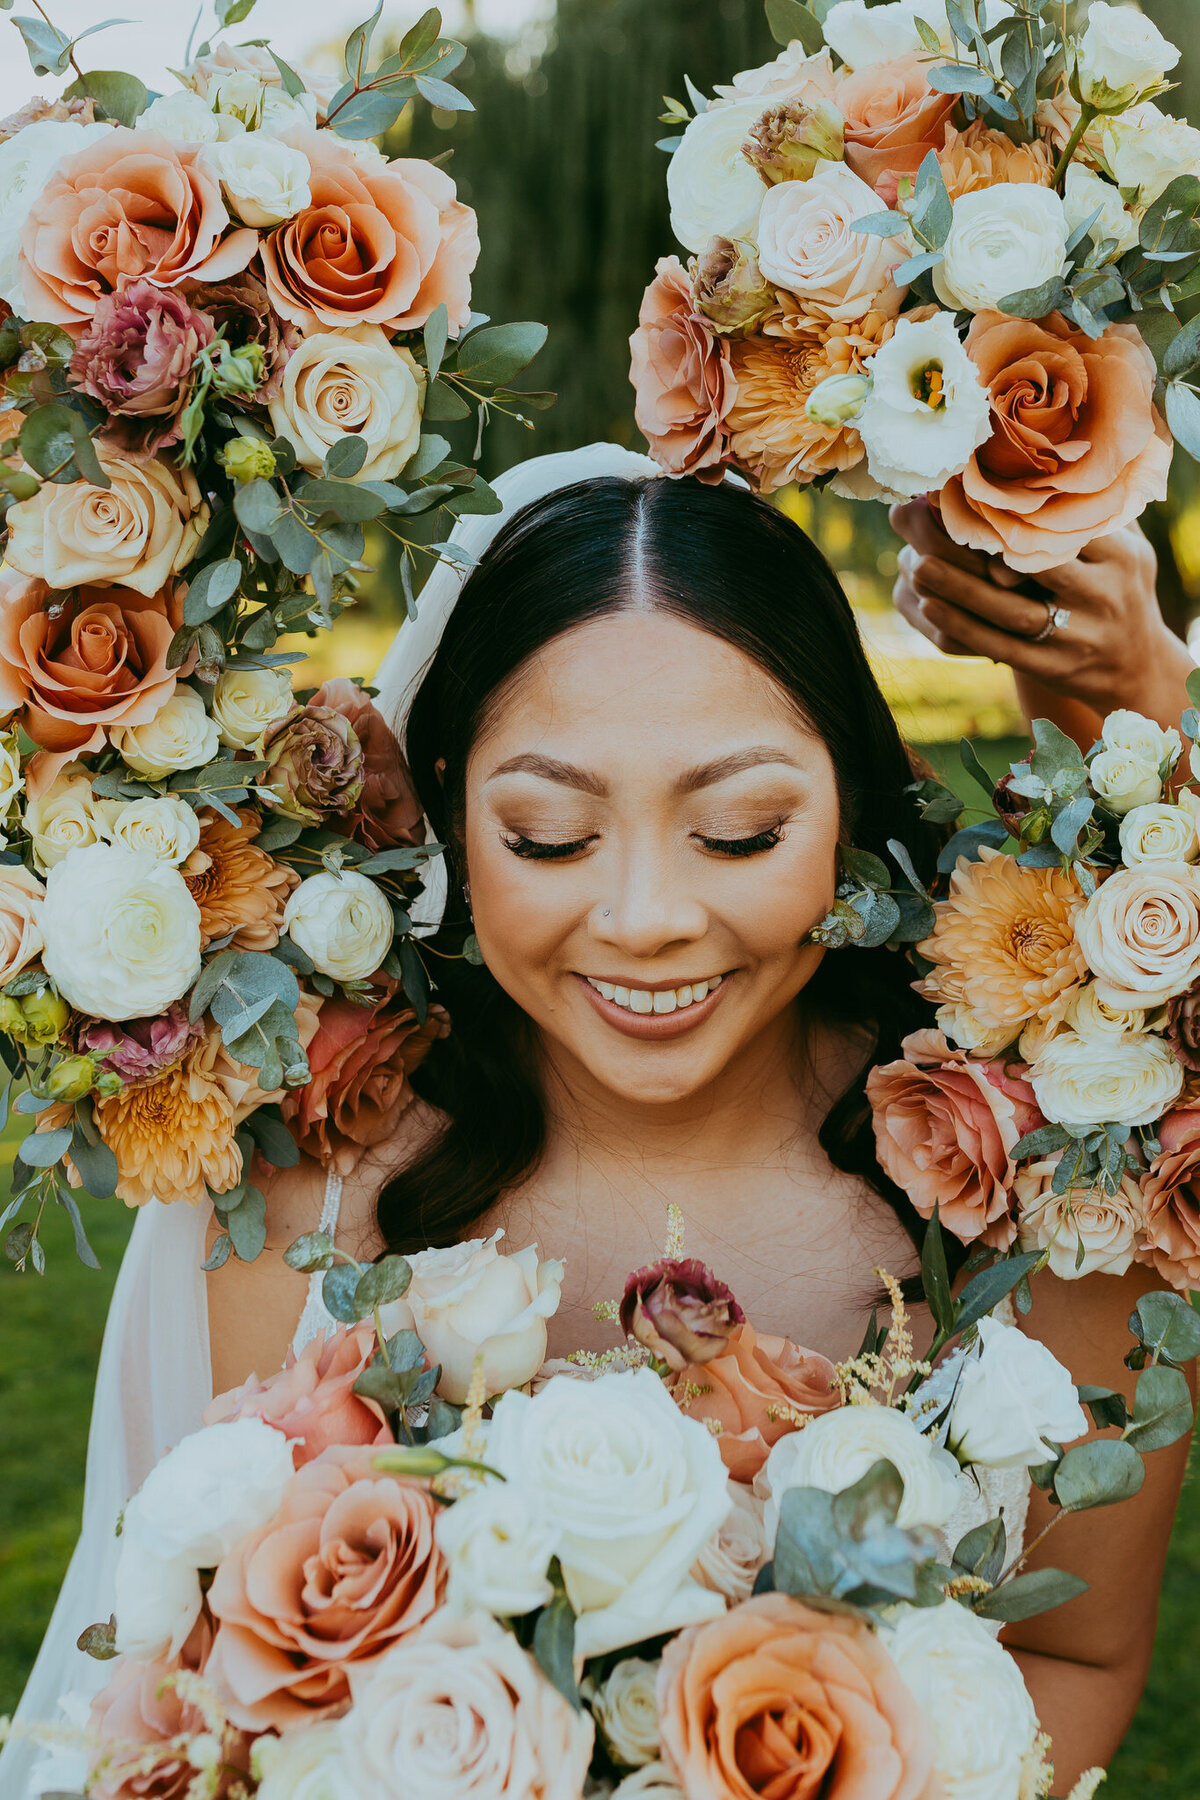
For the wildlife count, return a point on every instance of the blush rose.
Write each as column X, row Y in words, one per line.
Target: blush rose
column 760, row 1388
column 312, row 1399
column 682, row 376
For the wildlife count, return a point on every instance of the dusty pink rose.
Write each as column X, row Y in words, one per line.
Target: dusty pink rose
column 1171, row 1195
column 680, row 1311
column 33, row 111
column 759, row 1389
column 133, row 1723
column 682, row 376
column 131, row 204
column 1183, row 1028
column 141, row 1049
column 388, row 813
column 312, row 1399
column 944, row 1132
column 136, row 357
column 242, row 307
column 893, row 120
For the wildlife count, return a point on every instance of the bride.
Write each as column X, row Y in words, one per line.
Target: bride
column 641, row 731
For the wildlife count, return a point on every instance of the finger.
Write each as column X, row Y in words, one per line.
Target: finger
column 1001, row 607
column 910, row 606
column 1051, row 659
column 919, row 524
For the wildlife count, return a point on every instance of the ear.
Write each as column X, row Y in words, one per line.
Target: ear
column 439, row 769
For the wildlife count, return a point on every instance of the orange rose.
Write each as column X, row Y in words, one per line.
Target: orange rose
column 893, row 120
column 682, row 376
column 778, row 1699
column 130, row 205
column 1171, row 1196
column 379, row 244
column 312, row 1399
column 1078, row 447
column 753, row 1392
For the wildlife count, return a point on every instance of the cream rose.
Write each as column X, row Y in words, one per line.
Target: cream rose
column 344, row 922
column 66, row 817
column 183, row 117
column 305, row 1764
column 1121, row 56
column 1086, row 192
column 246, row 701
column 837, row 1448
column 625, row 1709
column 1013, row 1400
column 179, row 736
column 1002, row 240
column 1125, row 781
column 351, row 382
column 807, row 244
column 264, row 181
column 1140, row 934
column 1084, row 1082
column 1159, row 834
column 1092, row 1018
column 1132, row 731
column 136, row 533
column 165, row 828
column 21, row 905
column 1109, row 1227
column 1146, row 149
column 498, row 1547
column 121, row 931
column 12, row 782
column 469, row 1300
column 730, row 1561
column 714, row 191
column 27, row 161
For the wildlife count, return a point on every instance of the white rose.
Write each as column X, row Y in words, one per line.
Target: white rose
column 215, row 1487
column 121, row 931
column 165, row 828
column 792, row 75
column 713, row 190
column 21, row 903
column 1132, row 731
column 730, row 1561
column 973, row 1698
column 837, row 1448
column 808, row 245
column 1146, row 149
column 1012, row 1395
column 184, row 117
column 863, row 35
column 237, row 100
column 1084, row 1082
column 962, row 1027
column 469, row 1300
column 1085, row 193
column 497, row 1548
column 1124, row 780
column 928, row 411
column 284, row 112
column 1140, row 934
column 156, row 1600
column 265, row 181
column 136, row 533
column 246, row 701
column 1108, row 1226
column 12, row 782
column 625, row 1709
column 347, row 382
column 344, row 922
column 179, row 736
column 1002, row 240
column 27, row 161
column 635, row 1489
column 654, row 1782
column 1122, row 56
column 1092, row 1017
column 306, row 1763
column 1159, row 834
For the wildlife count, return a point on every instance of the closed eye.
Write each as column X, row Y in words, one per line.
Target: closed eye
column 746, row 846
column 539, row 851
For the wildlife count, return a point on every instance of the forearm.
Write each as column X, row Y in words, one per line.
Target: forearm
column 1085, row 1710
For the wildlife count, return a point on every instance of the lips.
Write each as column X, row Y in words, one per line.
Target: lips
column 661, row 1000
column 659, row 1021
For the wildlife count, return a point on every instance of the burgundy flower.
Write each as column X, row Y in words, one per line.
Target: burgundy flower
column 242, row 307
column 680, row 1312
column 136, row 357
column 388, row 812
column 140, row 1049
column 1183, row 1028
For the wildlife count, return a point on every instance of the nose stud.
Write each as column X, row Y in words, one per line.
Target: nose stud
column 606, row 912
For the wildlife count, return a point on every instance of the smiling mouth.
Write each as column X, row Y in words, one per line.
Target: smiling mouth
column 656, row 1001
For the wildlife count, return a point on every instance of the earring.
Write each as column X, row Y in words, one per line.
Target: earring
column 868, row 911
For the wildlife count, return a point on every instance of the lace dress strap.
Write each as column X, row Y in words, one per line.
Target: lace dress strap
column 315, row 1318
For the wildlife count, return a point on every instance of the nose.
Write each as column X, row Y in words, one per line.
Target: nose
column 648, row 906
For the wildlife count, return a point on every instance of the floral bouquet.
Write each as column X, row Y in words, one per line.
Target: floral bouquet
column 229, row 323
column 703, row 1564
column 937, row 247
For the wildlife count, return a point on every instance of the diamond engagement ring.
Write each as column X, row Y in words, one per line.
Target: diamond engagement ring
column 1057, row 619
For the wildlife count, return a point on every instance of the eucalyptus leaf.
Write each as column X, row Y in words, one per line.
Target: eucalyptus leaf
column 499, row 352
column 42, row 1149
column 381, row 1283
column 97, row 1166
column 1162, row 1409
column 1183, row 417
column 1035, row 302
column 1100, row 1473
column 247, row 1225
column 554, row 1648
column 935, row 1275
column 292, row 84
column 211, row 589
column 274, row 1141
column 982, row 1551
column 870, row 870
column 1168, row 1326
column 337, row 1292
column 258, row 506
column 117, row 95
column 312, row 1251
column 70, row 1206
column 442, row 94
column 989, row 1287
column 789, row 21
column 345, row 457
column 1025, row 1596
column 969, row 842
column 49, row 49
column 874, row 1499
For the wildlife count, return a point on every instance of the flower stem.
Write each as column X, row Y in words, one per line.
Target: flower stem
column 1086, row 117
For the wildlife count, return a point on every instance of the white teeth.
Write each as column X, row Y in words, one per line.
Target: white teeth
column 605, row 988
column 656, row 1000
column 683, row 996
column 664, row 1001
column 641, row 1000
column 620, row 995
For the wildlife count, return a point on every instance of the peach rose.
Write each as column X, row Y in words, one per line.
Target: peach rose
column 387, row 813
column 1140, row 933
column 379, row 244
column 1171, row 1198
column 135, row 1723
column 893, row 120
column 312, row 1399
column 347, row 1567
column 778, row 1699
column 682, row 376
column 944, row 1132
column 21, row 896
column 130, row 205
column 754, row 1393
column 1078, row 447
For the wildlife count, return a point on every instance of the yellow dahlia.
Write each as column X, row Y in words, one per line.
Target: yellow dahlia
column 982, row 158
column 173, row 1136
column 1004, row 944
column 237, row 886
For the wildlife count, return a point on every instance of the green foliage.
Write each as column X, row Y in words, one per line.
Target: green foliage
column 118, row 96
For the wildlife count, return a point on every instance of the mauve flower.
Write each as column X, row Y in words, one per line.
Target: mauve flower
column 1183, row 1028
column 136, row 358
column 243, row 308
column 728, row 286
column 314, row 763
column 312, row 1399
column 141, row 1049
column 679, row 1311
column 83, row 112
column 388, row 812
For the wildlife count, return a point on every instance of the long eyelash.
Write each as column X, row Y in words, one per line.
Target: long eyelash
column 747, row 846
column 541, row 852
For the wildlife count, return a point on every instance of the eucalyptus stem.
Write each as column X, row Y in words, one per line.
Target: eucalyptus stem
column 1038, row 1541
column 54, row 27
column 1087, row 116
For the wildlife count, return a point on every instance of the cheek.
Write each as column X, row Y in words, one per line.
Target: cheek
column 520, row 916
column 789, row 891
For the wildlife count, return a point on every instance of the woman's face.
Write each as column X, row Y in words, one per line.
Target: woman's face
column 651, row 833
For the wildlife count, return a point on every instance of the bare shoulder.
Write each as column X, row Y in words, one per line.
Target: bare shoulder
column 420, row 1124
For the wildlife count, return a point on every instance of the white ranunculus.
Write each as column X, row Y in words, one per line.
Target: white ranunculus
column 246, row 701
column 1002, row 240
column 654, row 1782
column 183, row 117
column 1108, row 1226
column 635, row 1490
column 714, row 191
column 121, row 931
column 1085, row 193
column 973, row 1698
column 306, row 1763
column 1084, row 1082
column 792, row 75
column 1140, row 736
column 625, row 1709
column 468, row 1300
column 181, row 735
column 264, row 181
column 807, row 244
column 1121, row 57
column 1012, row 1396
column 1092, row 1017
column 1124, row 780
column 836, row 1449
column 497, row 1547
column 350, row 382
column 217, row 1485
column 156, row 1601
column 928, row 411
column 164, row 827
column 1159, row 834
column 344, row 922
column 962, row 1027
column 27, row 161
column 284, row 112
column 1144, row 150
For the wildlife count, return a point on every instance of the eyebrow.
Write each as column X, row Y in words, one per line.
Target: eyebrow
column 549, row 768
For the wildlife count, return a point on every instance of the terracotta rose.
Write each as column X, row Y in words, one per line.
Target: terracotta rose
column 754, row 1392
column 893, row 120
column 1171, row 1196
column 682, row 376
column 312, row 1399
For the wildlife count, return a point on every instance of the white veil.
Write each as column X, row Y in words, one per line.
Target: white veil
column 154, row 1378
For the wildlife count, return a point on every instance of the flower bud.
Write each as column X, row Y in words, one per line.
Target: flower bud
column 791, row 139
column 1010, row 808
column 108, row 1083
column 45, row 1016
column 12, row 1019
column 680, row 1312
column 71, row 1079
column 238, row 372
column 728, row 286
column 247, row 459
column 838, row 400
column 1122, row 58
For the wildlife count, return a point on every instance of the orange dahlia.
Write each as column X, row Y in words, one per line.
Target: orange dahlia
column 237, row 886
column 173, row 1137
column 980, row 157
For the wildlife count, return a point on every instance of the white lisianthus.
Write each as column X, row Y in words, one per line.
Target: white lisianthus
column 497, row 1548
column 1011, row 1396
column 284, row 112
column 1132, row 731
column 1083, row 1232
column 1002, row 240
column 1092, row 1017
column 350, row 382
column 962, row 1027
column 714, row 191
column 973, row 1697
column 635, row 1490
column 164, row 827
column 179, row 736
column 1125, row 781
column 1084, row 1082
column 183, row 117
column 1086, row 192
column 625, row 1709
column 837, row 1448
column 1159, row 834
column 264, row 181
column 121, row 931
column 246, row 701
column 807, row 244
column 1121, row 58
column 303, row 1764
column 1145, row 149
column 863, row 35
column 156, row 1599
column 928, row 411
column 27, row 161
column 468, row 1300
column 344, row 922
column 792, row 75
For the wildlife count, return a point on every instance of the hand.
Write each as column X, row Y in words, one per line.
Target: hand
column 1113, row 650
